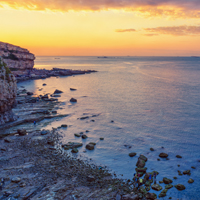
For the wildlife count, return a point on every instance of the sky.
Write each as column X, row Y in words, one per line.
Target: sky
column 102, row 27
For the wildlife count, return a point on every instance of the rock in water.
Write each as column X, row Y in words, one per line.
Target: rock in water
column 73, row 100
column 8, row 93
column 58, row 91
column 180, row 187
column 156, row 187
column 132, row 154
column 90, row 146
column 163, row 155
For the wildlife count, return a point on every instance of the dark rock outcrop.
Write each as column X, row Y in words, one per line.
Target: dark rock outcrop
column 19, row 60
column 8, row 92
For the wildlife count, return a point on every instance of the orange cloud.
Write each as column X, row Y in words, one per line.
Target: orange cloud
column 125, row 30
column 175, row 30
column 175, row 8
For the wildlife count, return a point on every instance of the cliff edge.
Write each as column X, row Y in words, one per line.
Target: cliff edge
column 19, row 60
column 8, row 92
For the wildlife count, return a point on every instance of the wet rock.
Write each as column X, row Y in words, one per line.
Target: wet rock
column 8, row 140
column 84, row 136
column 151, row 196
column 158, row 159
column 132, row 154
column 156, row 187
column 143, row 170
column 168, row 186
column 193, row 167
column 90, row 146
column 71, row 145
column 21, row 132
column 111, row 121
column 77, row 135
column 58, row 91
column 186, row 172
column 90, row 178
column 160, row 182
column 162, row 194
column 175, row 177
column 190, row 181
column 86, row 117
column 179, row 187
column 142, row 157
column 147, row 188
column 74, row 150
column 16, row 180
column 44, row 132
column 54, row 112
column 178, row 156
column 140, row 163
column 73, row 89
column 167, row 180
column 152, row 149
column 44, row 84
column 163, row 155
column 64, row 125
column 29, row 93
column 73, row 100
column 101, row 138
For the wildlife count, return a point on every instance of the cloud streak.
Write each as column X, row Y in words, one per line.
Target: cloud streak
column 176, row 8
column 125, row 30
column 174, row 30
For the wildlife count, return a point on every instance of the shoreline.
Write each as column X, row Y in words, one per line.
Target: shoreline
column 41, row 147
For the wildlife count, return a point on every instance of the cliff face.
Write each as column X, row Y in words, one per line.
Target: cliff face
column 8, row 92
column 19, row 60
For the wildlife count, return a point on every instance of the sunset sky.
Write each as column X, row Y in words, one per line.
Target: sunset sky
column 102, row 27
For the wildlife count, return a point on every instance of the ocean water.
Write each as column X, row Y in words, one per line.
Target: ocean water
column 153, row 101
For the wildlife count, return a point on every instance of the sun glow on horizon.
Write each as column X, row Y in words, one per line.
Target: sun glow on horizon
column 110, row 31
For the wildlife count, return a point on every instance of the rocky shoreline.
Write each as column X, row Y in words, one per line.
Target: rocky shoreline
column 36, row 165
column 44, row 73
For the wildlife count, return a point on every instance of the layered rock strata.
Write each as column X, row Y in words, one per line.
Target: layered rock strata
column 8, row 92
column 19, row 60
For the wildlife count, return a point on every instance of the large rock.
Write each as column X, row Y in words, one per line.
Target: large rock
column 8, row 93
column 156, row 187
column 163, row 155
column 180, row 187
column 19, row 60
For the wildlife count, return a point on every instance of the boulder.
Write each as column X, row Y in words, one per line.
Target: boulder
column 190, row 181
column 84, row 136
column 156, row 187
column 21, row 132
column 179, row 187
column 140, row 163
column 73, row 100
column 58, row 91
column 90, row 146
column 163, row 155
column 16, row 180
column 132, row 154
column 143, row 158
column 151, row 196
column 167, row 180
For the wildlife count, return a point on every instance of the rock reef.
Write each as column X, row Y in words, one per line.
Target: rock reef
column 8, row 92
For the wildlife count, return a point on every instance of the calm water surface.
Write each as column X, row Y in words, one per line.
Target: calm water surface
column 153, row 101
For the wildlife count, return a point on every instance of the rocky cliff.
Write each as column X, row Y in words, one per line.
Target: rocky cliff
column 8, row 91
column 19, row 60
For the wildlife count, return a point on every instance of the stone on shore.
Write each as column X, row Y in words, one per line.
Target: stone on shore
column 16, row 180
column 64, row 125
column 84, row 136
column 186, row 172
column 74, row 150
column 21, row 132
column 151, row 196
column 178, row 156
column 73, row 89
column 168, row 186
column 163, row 155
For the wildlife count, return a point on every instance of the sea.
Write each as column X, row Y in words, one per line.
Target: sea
column 134, row 103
